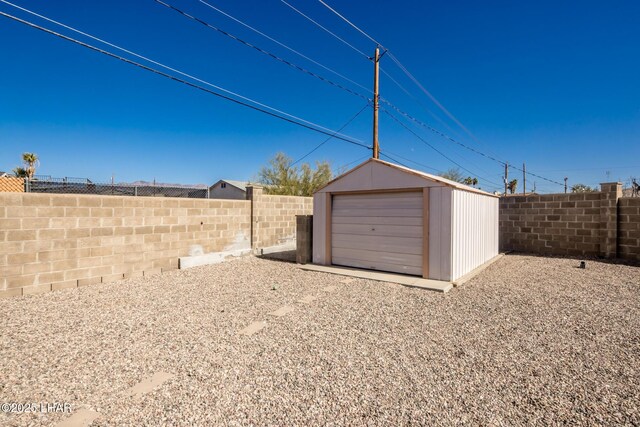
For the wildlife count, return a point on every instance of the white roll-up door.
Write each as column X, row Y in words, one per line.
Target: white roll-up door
column 378, row 231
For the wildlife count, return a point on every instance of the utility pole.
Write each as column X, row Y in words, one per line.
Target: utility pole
column 565, row 184
column 376, row 95
column 506, row 177
column 524, row 178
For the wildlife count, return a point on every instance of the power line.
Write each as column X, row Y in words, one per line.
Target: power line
column 340, row 169
column 313, row 127
column 394, row 160
column 282, row 44
column 537, row 176
column 328, row 31
column 436, row 131
column 409, row 160
column 406, row 91
column 433, row 98
column 166, row 67
column 330, row 137
column 405, row 71
column 352, row 24
column 442, row 134
column 277, row 58
column 434, row 148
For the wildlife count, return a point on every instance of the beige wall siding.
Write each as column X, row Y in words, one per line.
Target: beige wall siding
column 474, row 231
column 440, row 233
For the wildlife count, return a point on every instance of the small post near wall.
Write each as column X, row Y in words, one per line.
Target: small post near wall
column 304, row 238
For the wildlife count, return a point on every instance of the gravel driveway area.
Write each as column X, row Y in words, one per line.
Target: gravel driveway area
column 531, row 340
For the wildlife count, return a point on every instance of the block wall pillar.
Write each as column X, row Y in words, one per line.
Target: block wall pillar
column 610, row 193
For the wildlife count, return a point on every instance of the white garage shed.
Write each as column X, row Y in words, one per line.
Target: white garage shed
column 385, row 217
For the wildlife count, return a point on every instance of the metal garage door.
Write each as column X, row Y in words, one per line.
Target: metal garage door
column 378, row 231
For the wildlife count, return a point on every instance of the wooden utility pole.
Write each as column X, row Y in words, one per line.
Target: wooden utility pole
column 506, row 177
column 565, row 184
column 524, row 178
column 376, row 95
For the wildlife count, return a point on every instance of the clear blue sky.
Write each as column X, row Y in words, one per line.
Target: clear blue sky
column 552, row 83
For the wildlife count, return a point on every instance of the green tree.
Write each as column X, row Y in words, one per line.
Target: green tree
column 281, row 177
column 20, row 172
column 582, row 188
column 512, row 186
column 453, row 174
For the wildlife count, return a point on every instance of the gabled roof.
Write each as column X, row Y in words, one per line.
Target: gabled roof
column 415, row 173
column 242, row 185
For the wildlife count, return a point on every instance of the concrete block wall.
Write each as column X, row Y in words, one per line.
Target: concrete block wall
column 595, row 224
column 554, row 224
column 629, row 228
column 274, row 217
column 55, row 241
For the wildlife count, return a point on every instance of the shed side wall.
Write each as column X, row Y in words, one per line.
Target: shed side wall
column 440, row 233
column 474, row 231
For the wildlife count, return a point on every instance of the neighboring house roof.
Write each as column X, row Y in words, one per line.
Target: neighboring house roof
column 3, row 174
column 420, row 174
column 242, row 185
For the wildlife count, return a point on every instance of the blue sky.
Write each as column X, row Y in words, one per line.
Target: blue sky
column 551, row 83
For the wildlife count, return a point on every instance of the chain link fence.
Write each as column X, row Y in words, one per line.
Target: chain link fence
column 47, row 184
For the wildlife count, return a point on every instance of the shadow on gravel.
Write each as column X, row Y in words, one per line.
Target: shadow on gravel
column 284, row 256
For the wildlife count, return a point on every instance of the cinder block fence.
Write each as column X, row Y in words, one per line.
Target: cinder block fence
column 57, row 241
column 594, row 224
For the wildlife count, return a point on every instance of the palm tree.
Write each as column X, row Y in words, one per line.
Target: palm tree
column 30, row 160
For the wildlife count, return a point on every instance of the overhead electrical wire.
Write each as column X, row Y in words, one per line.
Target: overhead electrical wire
column 244, row 24
column 299, row 122
column 404, row 70
column 330, row 137
column 394, row 160
column 327, row 30
column 277, row 58
column 352, row 24
column 424, row 90
column 166, row 67
column 424, row 141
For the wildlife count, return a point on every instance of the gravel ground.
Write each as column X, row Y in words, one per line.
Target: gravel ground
column 531, row 340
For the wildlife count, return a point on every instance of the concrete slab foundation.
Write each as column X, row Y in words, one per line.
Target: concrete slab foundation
column 411, row 281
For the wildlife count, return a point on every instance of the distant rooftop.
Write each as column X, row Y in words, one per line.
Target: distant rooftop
column 242, row 185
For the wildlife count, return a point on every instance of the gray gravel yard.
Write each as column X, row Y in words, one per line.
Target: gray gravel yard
column 531, row 340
